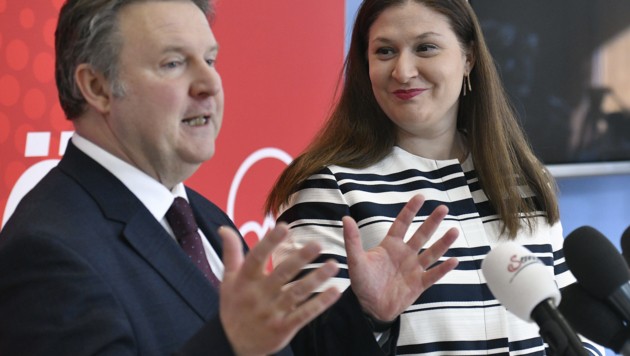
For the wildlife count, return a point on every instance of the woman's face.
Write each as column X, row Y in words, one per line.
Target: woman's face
column 417, row 67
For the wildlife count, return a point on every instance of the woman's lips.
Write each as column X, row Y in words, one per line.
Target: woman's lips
column 406, row 94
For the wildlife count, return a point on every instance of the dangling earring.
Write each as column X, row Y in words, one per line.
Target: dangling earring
column 467, row 82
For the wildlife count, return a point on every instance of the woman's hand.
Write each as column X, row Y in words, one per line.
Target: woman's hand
column 391, row 276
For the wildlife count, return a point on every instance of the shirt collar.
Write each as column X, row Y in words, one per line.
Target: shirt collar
column 153, row 194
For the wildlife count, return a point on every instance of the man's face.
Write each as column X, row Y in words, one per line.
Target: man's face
column 169, row 116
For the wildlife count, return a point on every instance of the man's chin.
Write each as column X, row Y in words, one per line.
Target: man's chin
column 198, row 158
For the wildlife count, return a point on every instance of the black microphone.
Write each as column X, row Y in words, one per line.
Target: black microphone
column 526, row 287
column 594, row 319
column 625, row 245
column 599, row 268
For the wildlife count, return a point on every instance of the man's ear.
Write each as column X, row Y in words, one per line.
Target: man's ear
column 95, row 88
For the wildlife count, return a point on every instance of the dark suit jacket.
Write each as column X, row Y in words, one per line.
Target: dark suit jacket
column 86, row 269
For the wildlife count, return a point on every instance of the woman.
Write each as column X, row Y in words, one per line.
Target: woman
column 422, row 110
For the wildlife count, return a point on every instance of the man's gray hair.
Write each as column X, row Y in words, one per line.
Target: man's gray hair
column 87, row 32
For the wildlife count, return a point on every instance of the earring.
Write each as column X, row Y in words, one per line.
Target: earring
column 467, row 83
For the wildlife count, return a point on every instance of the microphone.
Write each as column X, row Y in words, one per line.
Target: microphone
column 522, row 283
column 625, row 245
column 594, row 319
column 599, row 268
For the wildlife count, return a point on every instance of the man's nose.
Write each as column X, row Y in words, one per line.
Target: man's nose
column 207, row 81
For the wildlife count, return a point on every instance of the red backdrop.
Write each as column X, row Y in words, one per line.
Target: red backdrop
column 280, row 61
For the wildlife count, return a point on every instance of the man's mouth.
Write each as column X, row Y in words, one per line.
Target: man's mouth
column 197, row 121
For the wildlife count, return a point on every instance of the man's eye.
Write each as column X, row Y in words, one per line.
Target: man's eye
column 426, row 48
column 172, row 64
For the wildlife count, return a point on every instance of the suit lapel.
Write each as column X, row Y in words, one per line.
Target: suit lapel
column 153, row 243
column 144, row 234
column 210, row 227
column 210, row 218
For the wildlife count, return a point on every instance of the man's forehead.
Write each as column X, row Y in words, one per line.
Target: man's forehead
column 171, row 22
column 159, row 14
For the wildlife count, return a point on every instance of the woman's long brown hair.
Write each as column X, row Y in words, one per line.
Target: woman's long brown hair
column 358, row 133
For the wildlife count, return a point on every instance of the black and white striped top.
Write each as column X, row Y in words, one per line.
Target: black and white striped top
column 458, row 315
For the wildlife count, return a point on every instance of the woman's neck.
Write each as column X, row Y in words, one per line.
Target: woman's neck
column 448, row 145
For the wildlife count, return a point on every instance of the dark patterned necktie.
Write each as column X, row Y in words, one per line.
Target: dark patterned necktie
column 180, row 217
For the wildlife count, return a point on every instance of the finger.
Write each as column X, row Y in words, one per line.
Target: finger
column 286, row 271
column 428, row 227
column 352, row 241
column 256, row 260
column 405, row 217
column 308, row 311
column 296, row 293
column 438, row 249
column 232, row 251
column 436, row 273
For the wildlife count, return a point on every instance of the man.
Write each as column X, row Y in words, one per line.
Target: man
column 96, row 259
column 87, row 265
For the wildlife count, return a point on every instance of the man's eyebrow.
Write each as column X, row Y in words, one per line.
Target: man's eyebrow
column 176, row 48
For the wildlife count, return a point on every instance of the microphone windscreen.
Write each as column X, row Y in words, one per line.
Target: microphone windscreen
column 593, row 318
column 518, row 279
column 595, row 262
column 625, row 245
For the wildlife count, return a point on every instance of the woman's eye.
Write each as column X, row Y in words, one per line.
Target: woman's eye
column 384, row 51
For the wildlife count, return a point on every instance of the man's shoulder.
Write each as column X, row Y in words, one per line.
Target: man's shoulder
column 58, row 207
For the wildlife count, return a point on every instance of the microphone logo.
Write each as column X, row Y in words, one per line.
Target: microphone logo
column 518, row 279
column 518, row 263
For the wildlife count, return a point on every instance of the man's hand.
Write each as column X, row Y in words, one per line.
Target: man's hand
column 260, row 315
column 390, row 277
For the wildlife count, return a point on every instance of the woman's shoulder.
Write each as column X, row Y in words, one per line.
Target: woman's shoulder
column 399, row 161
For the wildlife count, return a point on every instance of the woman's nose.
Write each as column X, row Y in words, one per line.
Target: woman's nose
column 405, row 68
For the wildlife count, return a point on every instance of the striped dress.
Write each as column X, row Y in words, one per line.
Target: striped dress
column 458, row 315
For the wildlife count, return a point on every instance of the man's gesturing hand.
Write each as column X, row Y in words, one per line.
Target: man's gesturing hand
column 260, row 315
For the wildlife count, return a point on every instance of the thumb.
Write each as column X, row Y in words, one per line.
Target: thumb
column 232, row 250
column 351, row 237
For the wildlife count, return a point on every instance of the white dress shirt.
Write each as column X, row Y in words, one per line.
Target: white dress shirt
column 153, row 194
